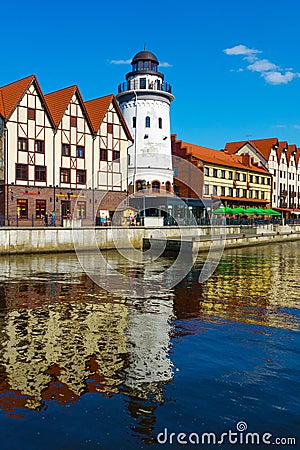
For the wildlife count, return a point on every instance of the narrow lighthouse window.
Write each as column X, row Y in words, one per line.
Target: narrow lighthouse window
column 160, row 122
column 147, row 122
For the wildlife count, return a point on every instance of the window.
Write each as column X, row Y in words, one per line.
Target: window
column 103, row 154
column 251, row 178
column 22, row 144
column 215, row 190
column 168, row 186
column 147, row 122
column 262, row 180
column 257, row 180
column 40, row 173
column 21, row 172
column 237, row 192
column 222, row 173
column 244, row 177
column 230, row 192
column 65, row 175
column 31, row 114
column 245, row 193
column 222, row 190
column 155, row 186
column 237, row 176
column 146, row 65
column 40, row 209
column 250, row 194
column 22, row 208
column 115, row 155
column 65, row 149
column 175, row 171
column 134, row 122
column 206, row 171
column 215, row 173
column 159, row 122
column 206, row 189
column 268, row 180
column 256, row 194
column 153, row 66
column 80, row 176
column 80, row 151
column 81, row 210
column 110, row 128
column 39, row 146
column 142, row 83
column 140, row 185
column 262, row 195
column 73, row 121
column 230, row 175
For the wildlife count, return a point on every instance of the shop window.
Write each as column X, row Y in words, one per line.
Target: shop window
column 22, row 208
column 81, row 210
column 40, row 209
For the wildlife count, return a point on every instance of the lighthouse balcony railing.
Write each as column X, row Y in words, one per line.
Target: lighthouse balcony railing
column 141, row 84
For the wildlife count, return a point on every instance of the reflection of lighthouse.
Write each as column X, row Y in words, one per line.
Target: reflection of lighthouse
column 145, row 102
column 148, row 345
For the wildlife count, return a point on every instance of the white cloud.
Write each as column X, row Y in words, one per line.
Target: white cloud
column 297, row 127
column 279, row 78
column 262, row 65
column 120, row 61
column 279, row 126
column 241, row 50
column 165, row 64
column 272, row 73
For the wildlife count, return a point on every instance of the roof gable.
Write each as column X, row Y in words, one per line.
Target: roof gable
column 97, row 109
column 263, row 146
column 58, row 102
column 12, row 93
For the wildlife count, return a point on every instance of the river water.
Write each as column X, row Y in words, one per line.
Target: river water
column 84, row 369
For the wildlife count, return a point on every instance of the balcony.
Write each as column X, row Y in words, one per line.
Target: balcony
column 142, row 83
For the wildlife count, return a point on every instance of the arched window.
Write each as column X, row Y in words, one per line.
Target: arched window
column 140, row 185
column 147, row 122
column 155, row 186
column 168, row 186
column 134, row 122
column 160, row 122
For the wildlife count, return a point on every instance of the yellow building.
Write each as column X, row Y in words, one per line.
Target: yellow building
column 235, row 179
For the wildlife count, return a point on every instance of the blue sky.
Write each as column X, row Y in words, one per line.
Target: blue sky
column 234, row 66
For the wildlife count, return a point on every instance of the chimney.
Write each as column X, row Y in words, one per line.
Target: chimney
column 246, row 159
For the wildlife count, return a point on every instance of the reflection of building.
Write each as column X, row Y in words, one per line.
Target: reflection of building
column 236, row 180
column 249, row 286
column 62, row 351
column 58, row 149
column 145, row 102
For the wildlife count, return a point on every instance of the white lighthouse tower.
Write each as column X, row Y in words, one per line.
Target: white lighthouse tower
column 145, row 103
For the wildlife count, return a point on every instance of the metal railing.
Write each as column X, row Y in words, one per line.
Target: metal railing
column 142, row 83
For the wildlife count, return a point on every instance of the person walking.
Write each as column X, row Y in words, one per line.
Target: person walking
column 52, row 223
column 46, row 219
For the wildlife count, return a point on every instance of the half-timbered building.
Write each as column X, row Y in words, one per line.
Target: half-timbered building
column 52, row 155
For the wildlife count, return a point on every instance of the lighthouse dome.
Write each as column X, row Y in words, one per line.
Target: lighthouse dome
column 144, row 56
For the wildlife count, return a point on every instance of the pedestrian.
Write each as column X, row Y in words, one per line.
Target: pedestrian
column 52, row 223
column 46, row 219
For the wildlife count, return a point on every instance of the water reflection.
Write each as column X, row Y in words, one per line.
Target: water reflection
column 62, row 336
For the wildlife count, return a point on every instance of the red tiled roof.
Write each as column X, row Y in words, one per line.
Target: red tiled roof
column 291, row 148
column 209, row 155
column 97, row 108
column 12, row 93
column 264, row 146
column 281, row 146
column 58, row 102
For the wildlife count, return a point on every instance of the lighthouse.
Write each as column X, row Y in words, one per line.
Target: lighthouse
column 145, row 99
